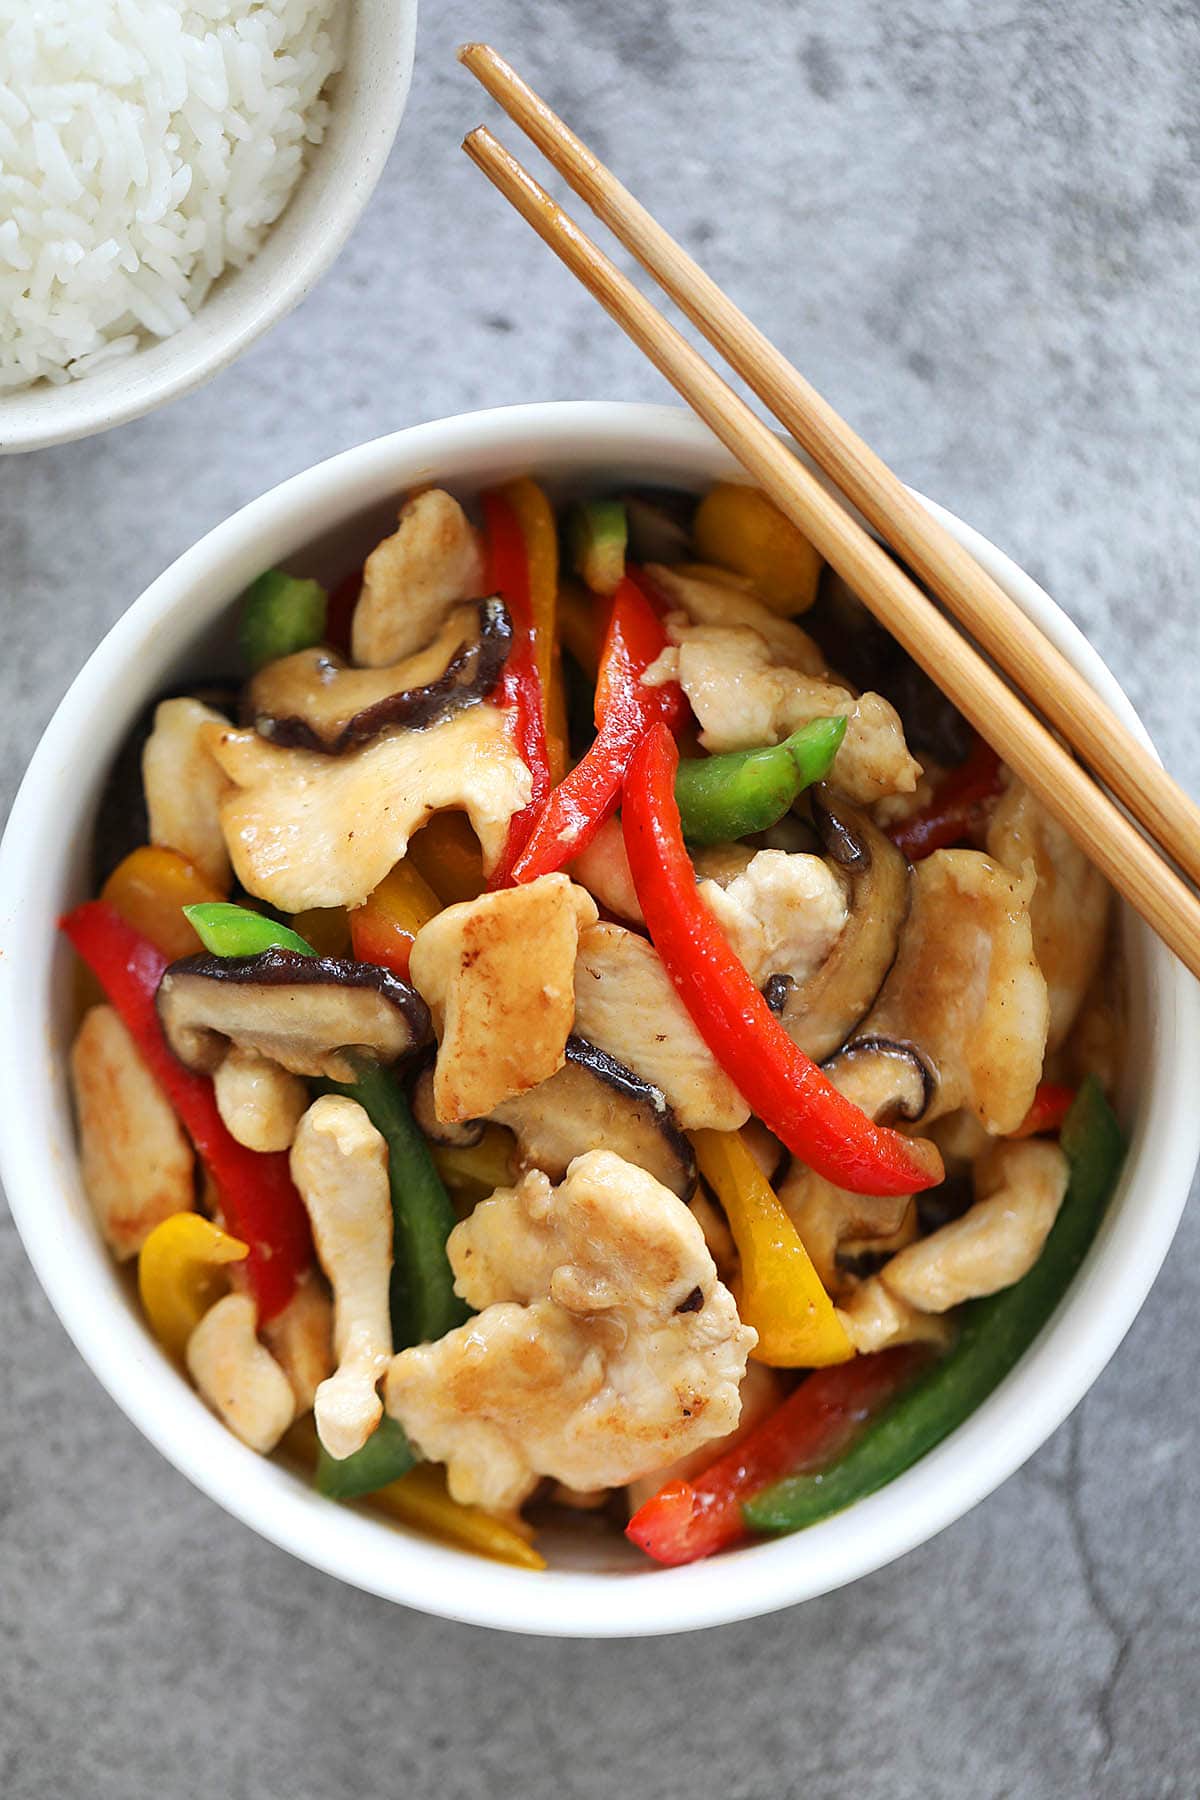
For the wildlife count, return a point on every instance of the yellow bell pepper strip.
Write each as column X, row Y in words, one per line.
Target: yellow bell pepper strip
column 258, row 1197
column 326, row 928
column 740, row 529
column 446, row 854
column 383, row 928
column 535, row 516
column 477, row 1168
column 180, row 1275
column 420, row 1499
column 150, row 888
column 780, row 1292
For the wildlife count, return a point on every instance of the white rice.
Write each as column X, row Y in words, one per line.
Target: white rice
column 145, row 146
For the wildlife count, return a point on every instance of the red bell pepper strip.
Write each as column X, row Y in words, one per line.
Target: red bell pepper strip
column 520, row 686
column 778, row 1082
column 624, row 710
column 686, row 1520
column 1051, row 1104
column 954, row 809
column 260, row 1203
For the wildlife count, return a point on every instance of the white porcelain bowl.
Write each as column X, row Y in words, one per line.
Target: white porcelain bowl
column 322, row 521
column 368, row 98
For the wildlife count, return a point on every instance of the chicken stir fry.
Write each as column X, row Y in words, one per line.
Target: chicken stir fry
column 561, row 1048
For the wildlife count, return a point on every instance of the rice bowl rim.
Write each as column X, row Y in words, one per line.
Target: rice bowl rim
column 40, row 872
column 367, row 101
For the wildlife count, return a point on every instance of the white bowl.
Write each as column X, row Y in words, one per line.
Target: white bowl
column 368, row 97
column 322, row 521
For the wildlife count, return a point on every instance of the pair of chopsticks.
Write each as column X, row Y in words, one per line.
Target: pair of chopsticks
column 1138, row 866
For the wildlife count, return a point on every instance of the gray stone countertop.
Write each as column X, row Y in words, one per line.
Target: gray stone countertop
column 975, row 227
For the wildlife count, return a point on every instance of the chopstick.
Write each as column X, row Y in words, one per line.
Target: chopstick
column 1130, row 863
column 1016, row 644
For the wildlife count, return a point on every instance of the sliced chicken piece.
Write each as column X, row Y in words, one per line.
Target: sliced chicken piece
column 625, row 1002
column 1070, row 905
column 498, row 974
column 339, row 1163
column 717, row 597
column 431, row 561
column 782, row 915
column 138, row 1166
column 261, row 1104
column 875, row 1318
column 603, row 869
column 238, row 1376
column 762, row 1392
column 1019, row 1188
column 300, row 1338
column 308, row 830
column 605, row 1346
column 184, row 786
column 966, row 989
column 744, row 695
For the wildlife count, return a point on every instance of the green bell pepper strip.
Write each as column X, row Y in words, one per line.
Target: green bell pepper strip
column 228, row 930
column 424, row 1305
column 280, row 615
column 721, row 798
column 995, row 1332
column 596, row 533
column 386, row 1456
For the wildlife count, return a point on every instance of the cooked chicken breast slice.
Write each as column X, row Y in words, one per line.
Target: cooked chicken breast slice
column 626, row 1004
column 238, row 1376
column 1070, row 905
column 1019, row 1188
column 744, row 695
column 410, row 580
column 604, row 1347
column 184, row 786
column 138, row 1167
column 966, row 988
column 308, row 830
column 498, row 976
column 782, row 915
column 708, row 600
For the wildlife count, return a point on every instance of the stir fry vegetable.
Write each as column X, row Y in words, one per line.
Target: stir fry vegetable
column 578, row 807
column 721, row 798
column 787, row 1091
column 597, row 533
column 509, row 573
column 229, row 930
column 383, row 930
column 260, row 1203
column 280, row 615
column 385, row 1457
column 779, row 1291
column 994, row 1334
column 957, row 805
column 688, row 1519
column 151, row 889
column 180, row 1275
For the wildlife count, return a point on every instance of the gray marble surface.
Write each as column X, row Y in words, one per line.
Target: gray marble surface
column 976, row 227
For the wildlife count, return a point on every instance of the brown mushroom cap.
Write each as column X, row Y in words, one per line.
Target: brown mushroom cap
column 819, row 1014
column 594, row 1102
column 310, row 1014
column 315, row 700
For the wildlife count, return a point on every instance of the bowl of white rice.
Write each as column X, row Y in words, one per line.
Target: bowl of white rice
column 174, row 177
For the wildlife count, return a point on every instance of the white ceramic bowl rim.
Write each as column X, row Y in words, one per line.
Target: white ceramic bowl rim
column 1029, row 1405
column 338, row 179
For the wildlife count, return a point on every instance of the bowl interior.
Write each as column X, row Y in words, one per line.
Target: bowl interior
column 367, row 102
column 322, row 523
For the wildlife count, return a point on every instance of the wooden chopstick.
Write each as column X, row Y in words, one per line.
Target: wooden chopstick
column 1130, row 863
column 1019, row 647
